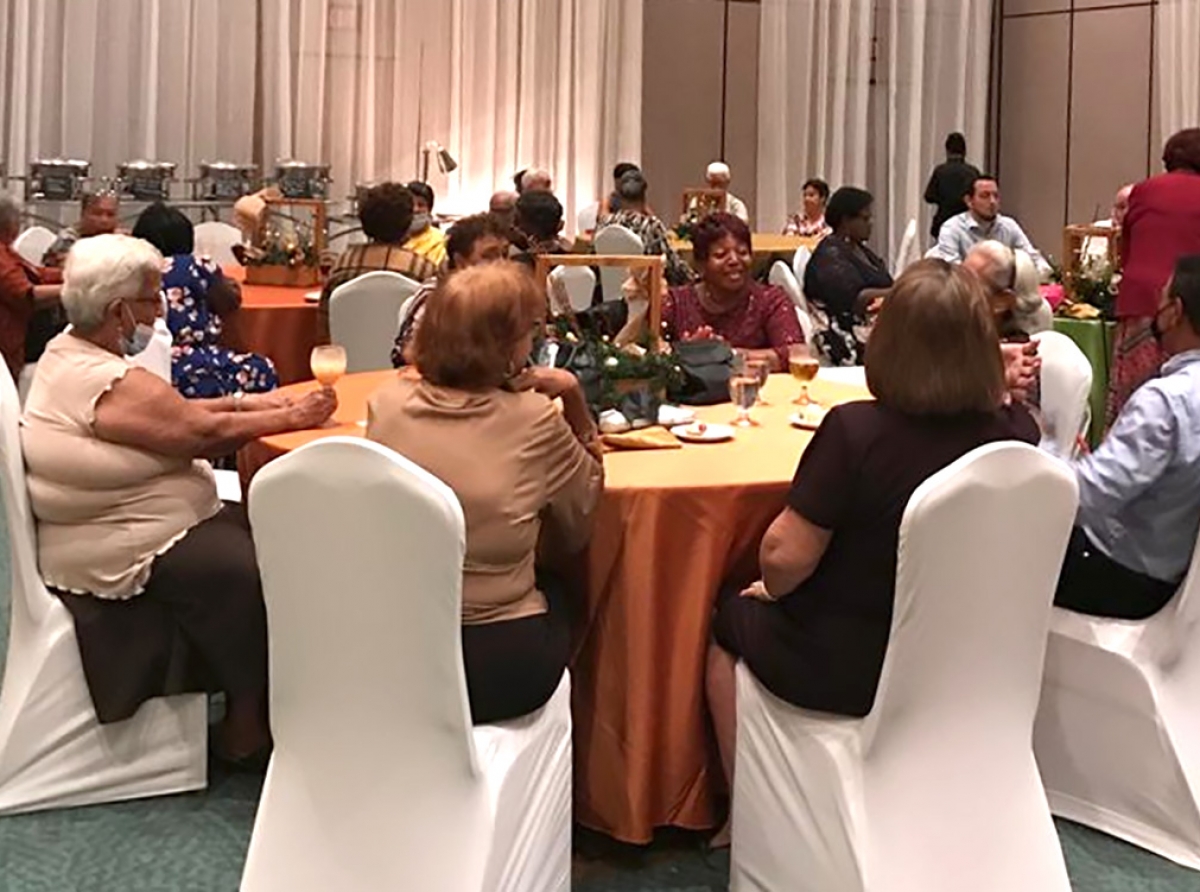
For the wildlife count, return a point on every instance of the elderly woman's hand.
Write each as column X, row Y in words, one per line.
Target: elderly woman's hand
column 1022, row 366
column 257, row 402
column 314, row 409
column 703, row 333
column 548, row 382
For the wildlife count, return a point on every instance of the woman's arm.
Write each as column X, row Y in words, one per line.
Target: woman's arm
column 790, row 552
column 143, row 411
column 46, row 295
column 224, row 295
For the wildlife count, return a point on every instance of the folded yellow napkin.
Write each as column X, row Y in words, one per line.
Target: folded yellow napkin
column 1081, row 311
column 647, row 438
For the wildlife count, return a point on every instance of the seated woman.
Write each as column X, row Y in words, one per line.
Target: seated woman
column 527, row 475
column 198, row 298
column 815, row 630
column 727, row 303
column 844, row 278
column 635, row 215
column 810, row 222
column 424, row 237
column 386, row 213
column 22, row 294
column 130, row 532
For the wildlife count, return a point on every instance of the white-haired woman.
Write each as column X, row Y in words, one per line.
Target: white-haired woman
column 160, row 576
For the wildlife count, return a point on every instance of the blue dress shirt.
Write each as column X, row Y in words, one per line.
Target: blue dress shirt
column 1139, row 492
column 963, row 232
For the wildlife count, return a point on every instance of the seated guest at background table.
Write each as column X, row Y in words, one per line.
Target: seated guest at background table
column 533, row 179
column 634, row 214
column 503, row 206
column 199, row 296
column 386, row 213
column 815, row 630
column 130, row 532
column 527, row 475
column 950, row 182
column 612, row 202
column 810, row 222
column 727, row 303
column 98, row 216
column 424, row 237
column 1097, row 245
column 982, row 221
column 845, row 278
column 1162, row 225
column 1011, row 282
column 540, row 220
column 718, row 176
column 1139, row 493
column 472, row 241
column 21, row 291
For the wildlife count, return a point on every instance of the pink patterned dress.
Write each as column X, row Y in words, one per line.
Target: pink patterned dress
column 765, row 320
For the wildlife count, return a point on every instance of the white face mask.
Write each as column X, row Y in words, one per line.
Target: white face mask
column 132, row 345
column 420, row 223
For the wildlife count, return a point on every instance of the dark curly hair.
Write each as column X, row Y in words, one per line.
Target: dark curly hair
column 715, row 227
column 167, row 228
column 461, row 239
column 386, row 213
column 819, row 186
column 422, row 190
column 1182, row 151
column 539, row 214
column 846, row 204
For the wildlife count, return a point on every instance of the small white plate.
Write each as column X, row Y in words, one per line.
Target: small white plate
column 672, row 416
column 808, row 421
column 712, row 433
column 313, row 296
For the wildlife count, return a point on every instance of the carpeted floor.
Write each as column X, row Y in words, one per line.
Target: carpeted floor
column 197, row 842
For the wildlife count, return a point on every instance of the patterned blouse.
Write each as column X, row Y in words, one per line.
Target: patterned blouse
column 802, row 226
column 765, row 321
column 655, row 240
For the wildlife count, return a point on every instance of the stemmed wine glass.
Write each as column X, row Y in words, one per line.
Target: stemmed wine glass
column 743, row 390
column 328, row 363
column 804, row 365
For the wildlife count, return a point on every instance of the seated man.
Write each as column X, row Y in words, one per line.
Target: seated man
column 98, row 216
column 540, row 220
column 1139, row 493
column 718, row 176
column 982, row 221
column 424, row 238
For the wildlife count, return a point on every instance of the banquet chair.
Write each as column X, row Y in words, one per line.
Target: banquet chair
column 1117, row 735
column 216, row 240
column 54, row 753
column 33, row 243
column 848, row 374
column 585, row 220
column 378, row 780
column 579, row 282
column 616, row 240
column 1066, row 385
column 800, row 266
column 909, row 251
column 362, row 318
column 936, row 790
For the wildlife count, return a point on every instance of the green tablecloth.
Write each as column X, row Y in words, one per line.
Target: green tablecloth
column 1095, row 339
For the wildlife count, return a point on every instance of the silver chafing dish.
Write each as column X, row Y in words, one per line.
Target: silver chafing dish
column 56, row 179
column 225, row 181
column 298, row 179
column 146, row 180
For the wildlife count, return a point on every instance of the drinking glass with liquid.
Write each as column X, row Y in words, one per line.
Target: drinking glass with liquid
column 803, row 365
column 743, row 390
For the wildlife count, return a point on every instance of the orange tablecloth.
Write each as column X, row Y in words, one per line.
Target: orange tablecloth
column 276, row 322
column 672, row 526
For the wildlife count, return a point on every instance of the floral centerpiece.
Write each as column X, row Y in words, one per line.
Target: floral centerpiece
column 285, row 250
column 1091, row 288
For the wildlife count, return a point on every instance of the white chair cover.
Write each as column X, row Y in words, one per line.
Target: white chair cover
column 1066, row 384
column 215, row 239
column 850, row 374
column 909, row 251
column 579, row 283
column 781, row 276
column 618, row 241
column 1117, row 735
column 362, row 318
column 53, row 751
column 33, row 243
column 586, row 219
column 936, row 790
column 800, row 264
column 378, row 780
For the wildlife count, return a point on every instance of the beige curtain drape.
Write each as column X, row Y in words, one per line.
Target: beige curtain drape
column 1177, row 34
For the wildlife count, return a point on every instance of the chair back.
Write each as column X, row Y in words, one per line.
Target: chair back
column 909, row 251
column 374, row 781
column 800, row 264
column 781, row 276
column 585, row 220
column 33, row 243
column 579, row 283
column 362, row 318
column 981, row 546
column 216, row 240
column 617, row 241
column 1066, row 385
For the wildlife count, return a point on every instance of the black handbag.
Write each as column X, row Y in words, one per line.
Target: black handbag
column 707, row 367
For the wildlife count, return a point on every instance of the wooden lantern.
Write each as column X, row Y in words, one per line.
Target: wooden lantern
column 654, row 263
column 701, row 202
column 301, row 275
column 1075, row 239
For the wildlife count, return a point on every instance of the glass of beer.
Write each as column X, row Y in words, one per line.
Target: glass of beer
column 743, row 390
column 328, row 363
column 804, row 365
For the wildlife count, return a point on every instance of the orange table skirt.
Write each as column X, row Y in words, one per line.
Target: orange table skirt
column 672, row 527
column 275, row 322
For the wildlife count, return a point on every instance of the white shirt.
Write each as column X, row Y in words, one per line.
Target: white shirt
column 737, row 207
column 963, row 232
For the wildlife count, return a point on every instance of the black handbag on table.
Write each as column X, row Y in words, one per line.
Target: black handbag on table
column 707, row 367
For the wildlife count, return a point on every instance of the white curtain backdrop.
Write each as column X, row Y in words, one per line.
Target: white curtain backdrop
column 117, row 80
column 814, row 88
column 1178, row 51
column 826, row 109
column 503, row 84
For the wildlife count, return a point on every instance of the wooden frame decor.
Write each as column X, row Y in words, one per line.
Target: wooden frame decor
column 700, row 202
column 288, row 255
column 633, row 262
column 1075, row 237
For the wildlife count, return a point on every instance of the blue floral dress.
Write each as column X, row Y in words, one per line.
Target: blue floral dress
column 200, row 367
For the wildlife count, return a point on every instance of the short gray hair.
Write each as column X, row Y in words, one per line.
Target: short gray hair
column 1001, row 265
column 10, row 213
column 103, row 269
column 1031, row 313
